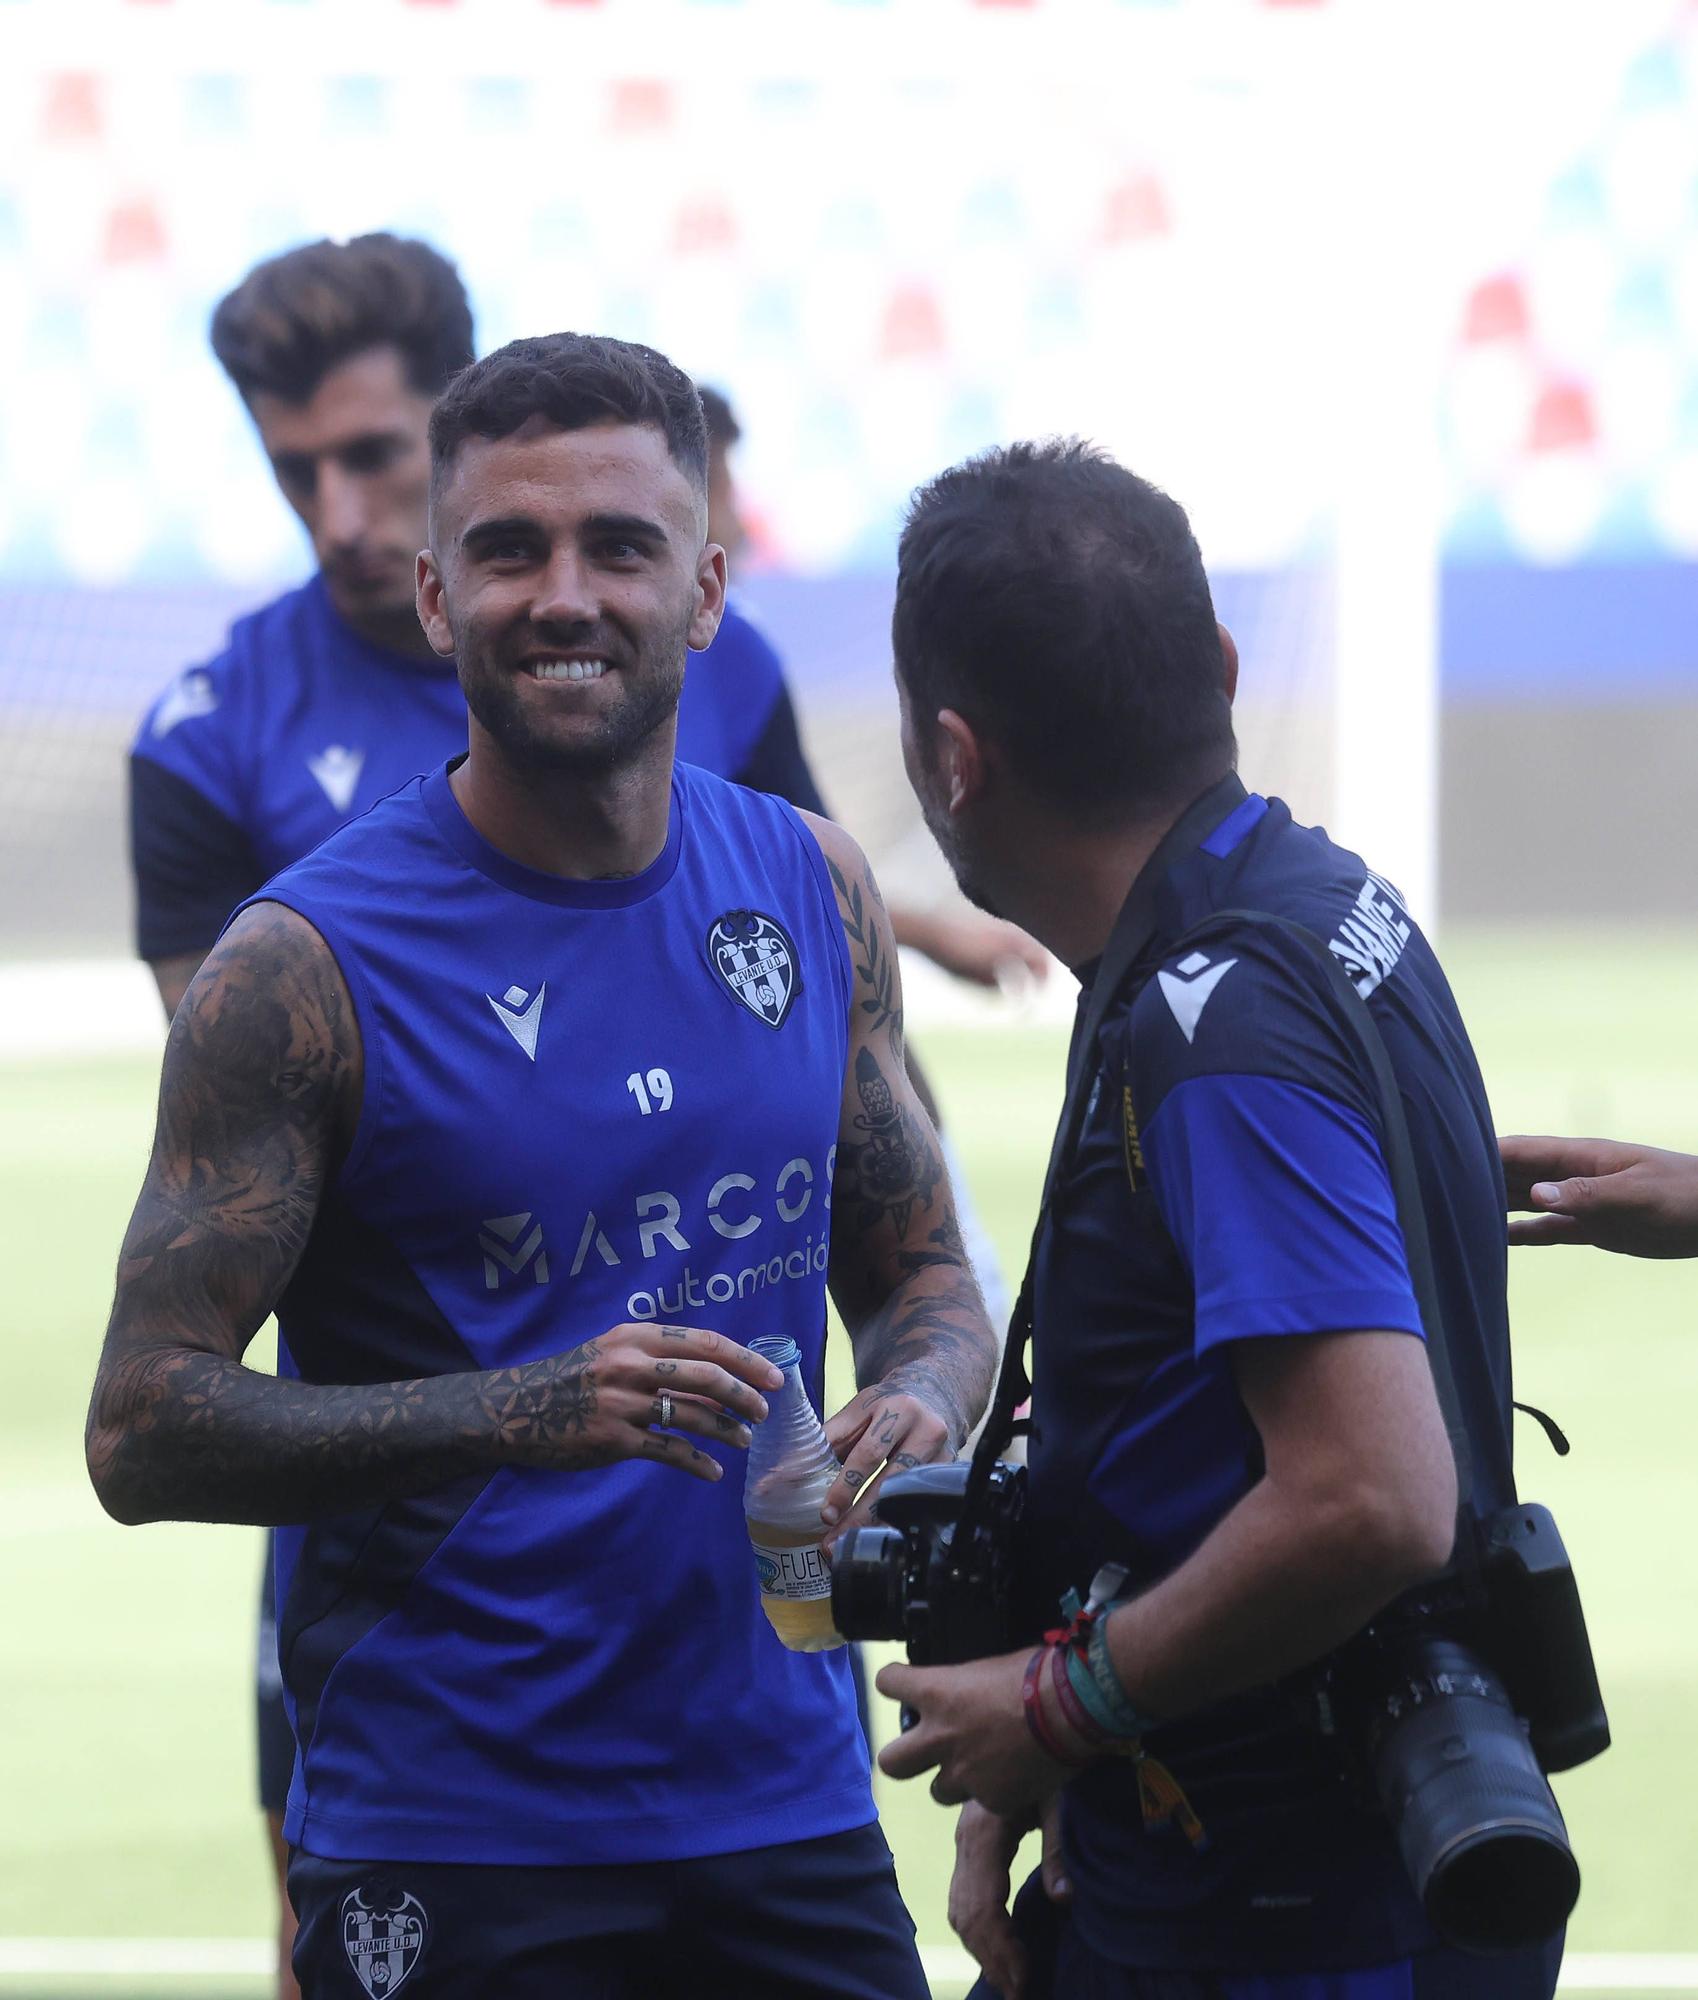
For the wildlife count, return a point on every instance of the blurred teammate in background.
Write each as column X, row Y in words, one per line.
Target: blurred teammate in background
column 1638, row 1200
column 330, row 696
column 550, row 1744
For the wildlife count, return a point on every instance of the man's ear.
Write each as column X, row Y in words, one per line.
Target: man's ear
column 710, row 598
column 427, row 595
column 962, row 760
column 1228, row 662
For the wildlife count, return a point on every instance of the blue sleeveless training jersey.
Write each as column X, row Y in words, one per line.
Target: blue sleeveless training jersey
column 585, row 1102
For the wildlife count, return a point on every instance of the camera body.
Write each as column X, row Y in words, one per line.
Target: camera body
column 926, row 1574
column 1448, row 1709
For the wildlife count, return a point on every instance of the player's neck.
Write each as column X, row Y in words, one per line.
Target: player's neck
column 583, row 828
column 398, row 632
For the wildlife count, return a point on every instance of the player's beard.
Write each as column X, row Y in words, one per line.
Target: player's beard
column 650, row 688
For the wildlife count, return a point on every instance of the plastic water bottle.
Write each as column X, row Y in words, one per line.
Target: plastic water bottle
column 791, row 1469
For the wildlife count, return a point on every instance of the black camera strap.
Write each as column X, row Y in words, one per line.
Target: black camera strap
column 1133, row 931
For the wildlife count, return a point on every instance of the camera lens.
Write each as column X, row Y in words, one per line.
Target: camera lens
column 1480, row 1832
column 868, row 1589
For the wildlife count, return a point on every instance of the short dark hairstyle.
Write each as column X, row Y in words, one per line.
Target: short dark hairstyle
column 295, row 317
column 570, row 380
column 723, row 428
column 1058, row 602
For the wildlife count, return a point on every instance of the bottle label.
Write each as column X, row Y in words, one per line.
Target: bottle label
column 799, row 1575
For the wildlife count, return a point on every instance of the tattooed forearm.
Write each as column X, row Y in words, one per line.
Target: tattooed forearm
column 934, row 1344
column 179, row 1435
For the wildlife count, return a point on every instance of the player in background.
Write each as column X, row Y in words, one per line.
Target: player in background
column 550, row 1743
column 329, row 697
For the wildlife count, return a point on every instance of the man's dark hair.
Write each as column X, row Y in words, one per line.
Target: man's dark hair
column 723, row 428
column 1058, row 603
column 295, row 317
column 570, row 380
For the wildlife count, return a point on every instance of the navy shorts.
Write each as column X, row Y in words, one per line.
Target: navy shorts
column 1063, row 1968
column 809, row 1918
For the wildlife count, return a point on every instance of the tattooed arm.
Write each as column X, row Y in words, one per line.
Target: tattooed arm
column 925, row 1354
column 259, row 1098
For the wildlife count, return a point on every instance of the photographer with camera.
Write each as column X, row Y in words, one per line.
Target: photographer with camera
column 1232, row 1395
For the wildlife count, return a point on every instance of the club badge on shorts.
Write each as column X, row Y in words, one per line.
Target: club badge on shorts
column 753, row 956
column 384, row 1937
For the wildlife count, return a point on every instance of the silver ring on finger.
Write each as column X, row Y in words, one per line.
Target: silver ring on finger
column 663, row 1409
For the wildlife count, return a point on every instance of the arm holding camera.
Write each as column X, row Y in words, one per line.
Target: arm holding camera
column 1358, row 1502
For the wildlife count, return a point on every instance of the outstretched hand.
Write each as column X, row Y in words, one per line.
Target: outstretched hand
column 1638, row 1200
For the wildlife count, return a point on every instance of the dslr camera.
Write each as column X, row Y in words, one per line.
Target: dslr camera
column 1449, row 1709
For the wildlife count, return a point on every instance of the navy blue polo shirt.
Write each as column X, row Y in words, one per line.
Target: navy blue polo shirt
column 1231, row 1184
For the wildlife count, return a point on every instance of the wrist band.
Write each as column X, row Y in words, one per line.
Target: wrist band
column 1073, row 1710
column 1109, row 1722
column 1127, row 1719
column 1032, row 1700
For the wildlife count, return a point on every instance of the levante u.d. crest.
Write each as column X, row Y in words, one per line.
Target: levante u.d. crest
column 755, row 960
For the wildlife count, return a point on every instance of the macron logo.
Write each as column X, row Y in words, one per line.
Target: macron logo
column 519, row 1019
column 188, row 696
column 1188, row 987
column 337, row 770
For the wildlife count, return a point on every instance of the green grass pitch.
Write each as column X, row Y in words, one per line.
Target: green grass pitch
column 126, row 1656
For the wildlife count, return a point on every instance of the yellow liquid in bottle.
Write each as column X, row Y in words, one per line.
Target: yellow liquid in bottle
column 795, row 1587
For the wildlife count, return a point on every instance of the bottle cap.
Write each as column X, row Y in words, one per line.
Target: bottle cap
column 779, row 1349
